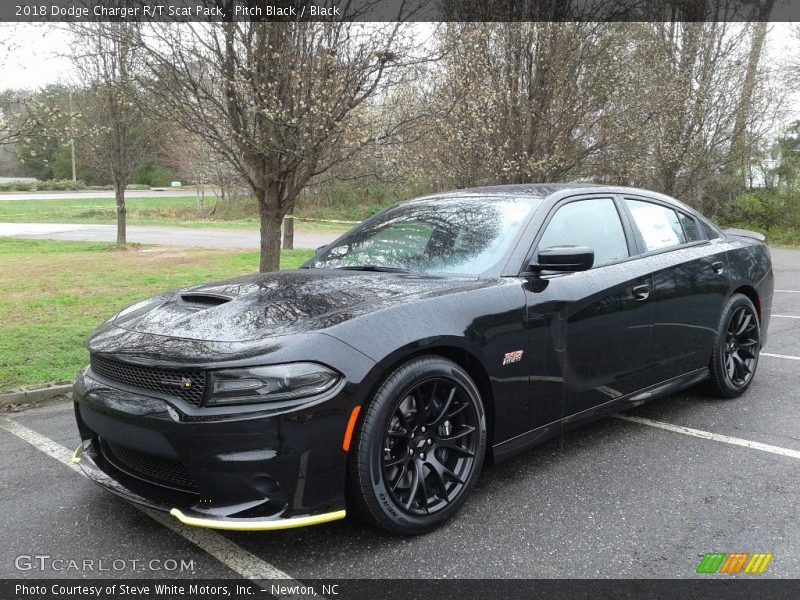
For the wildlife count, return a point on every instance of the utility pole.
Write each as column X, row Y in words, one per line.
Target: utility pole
column 72, row 139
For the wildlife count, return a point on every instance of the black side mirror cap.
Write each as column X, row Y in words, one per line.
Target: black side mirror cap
column 567, row 259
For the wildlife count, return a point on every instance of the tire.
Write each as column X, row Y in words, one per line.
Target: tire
column 736, row 348
column 426, row 423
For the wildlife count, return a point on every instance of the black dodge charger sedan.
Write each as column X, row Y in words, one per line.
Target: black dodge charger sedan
column 442, row 332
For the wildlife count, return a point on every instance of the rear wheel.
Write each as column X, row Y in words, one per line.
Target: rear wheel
column 736, row 350
column 419, row 449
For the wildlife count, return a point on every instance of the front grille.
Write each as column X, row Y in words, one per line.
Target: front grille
column 161, row 471
column 186, row 384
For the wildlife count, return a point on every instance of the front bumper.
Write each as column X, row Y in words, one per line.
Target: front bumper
column 240, row 471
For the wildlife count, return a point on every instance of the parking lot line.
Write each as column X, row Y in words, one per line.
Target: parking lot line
column 788, row 291
column 227, row 552
column 786, row 316
column 707, row 435
column 787, row 356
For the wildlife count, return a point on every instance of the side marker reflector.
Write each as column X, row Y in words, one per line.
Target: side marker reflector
column 351, row 425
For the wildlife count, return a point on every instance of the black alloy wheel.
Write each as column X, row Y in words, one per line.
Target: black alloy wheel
column 429, row 446
column 420, row 447
column 741, row 346
column 736, row 352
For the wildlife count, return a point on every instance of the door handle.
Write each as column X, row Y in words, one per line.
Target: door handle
column 718, row 267
column 641, row 292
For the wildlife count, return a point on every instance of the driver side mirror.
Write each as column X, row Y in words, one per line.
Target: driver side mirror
column 568, row 259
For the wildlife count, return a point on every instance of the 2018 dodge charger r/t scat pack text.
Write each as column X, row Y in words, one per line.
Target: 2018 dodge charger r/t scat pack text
column 380, row 376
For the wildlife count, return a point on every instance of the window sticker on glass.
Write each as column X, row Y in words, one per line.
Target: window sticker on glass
column 658, row 225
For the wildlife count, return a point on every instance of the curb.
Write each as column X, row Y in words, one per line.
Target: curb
column 35, row 394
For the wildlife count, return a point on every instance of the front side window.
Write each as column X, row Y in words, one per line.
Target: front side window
column 658, row 225
column 593, row 223
column 446, row 236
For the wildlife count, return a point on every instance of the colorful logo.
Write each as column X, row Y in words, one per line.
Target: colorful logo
column 512, row 357
column 734, row 562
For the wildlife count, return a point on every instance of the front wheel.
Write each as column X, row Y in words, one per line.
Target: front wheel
column 736, row 349
column 419, row 448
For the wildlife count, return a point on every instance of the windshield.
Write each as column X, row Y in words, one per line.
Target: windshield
column 453, row 236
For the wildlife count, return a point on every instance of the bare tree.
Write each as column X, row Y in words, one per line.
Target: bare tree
column 279, row 101
column 665, row 105
column 6, row 103
column 521, row 102
column 743, row 111
column 706, row 99
column 198, row 160
column 115, row 133
column 25, row 113
column 793, row 62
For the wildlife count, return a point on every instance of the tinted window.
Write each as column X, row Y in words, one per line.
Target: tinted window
column 711, row 233
column 461, row 236
column 689, row 227
column 658, row 225
column 592, row 223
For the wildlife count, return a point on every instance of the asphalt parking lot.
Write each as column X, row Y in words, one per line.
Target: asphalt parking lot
column 616, row 499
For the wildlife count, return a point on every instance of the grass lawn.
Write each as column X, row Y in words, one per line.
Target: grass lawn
column 180, row 211
column 53, row 294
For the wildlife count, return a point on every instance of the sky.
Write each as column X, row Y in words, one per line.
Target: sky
column 37, row 56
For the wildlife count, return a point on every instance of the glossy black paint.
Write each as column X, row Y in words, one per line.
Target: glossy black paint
column 564, row 259
column 594, row 342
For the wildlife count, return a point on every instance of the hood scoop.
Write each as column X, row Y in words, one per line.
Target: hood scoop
column 204, row 300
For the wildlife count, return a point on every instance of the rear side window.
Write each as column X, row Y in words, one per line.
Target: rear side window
column 659, row 226
column 689, row 227
column 593, row 223
column 711, row 233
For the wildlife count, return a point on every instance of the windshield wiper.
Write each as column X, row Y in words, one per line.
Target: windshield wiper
column 375, row 268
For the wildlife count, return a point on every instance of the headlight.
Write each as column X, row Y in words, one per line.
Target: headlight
column 269, row 384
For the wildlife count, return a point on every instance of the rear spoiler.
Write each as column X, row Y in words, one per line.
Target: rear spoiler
column 744, row 233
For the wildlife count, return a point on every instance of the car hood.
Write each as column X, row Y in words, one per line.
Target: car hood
column 275, row 304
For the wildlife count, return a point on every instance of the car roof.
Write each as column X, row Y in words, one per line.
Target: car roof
column 540, row 191
column 534, row 190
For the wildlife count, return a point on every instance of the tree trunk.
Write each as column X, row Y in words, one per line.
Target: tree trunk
column 288, row 231
column 270, row 236
column 119, row 194
column 739, row 159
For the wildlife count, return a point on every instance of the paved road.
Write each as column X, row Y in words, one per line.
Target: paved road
column 170, row 236
column 168, row 193
column 615, row 499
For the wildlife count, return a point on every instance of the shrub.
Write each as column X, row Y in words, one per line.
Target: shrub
column 762, row 209
column 17, row 186
column 154, row 176
column 60, row 185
